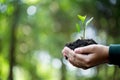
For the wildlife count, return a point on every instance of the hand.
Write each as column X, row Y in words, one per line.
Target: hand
column 88, row 56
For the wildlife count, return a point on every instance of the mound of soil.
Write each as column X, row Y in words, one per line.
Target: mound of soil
column 80, row 43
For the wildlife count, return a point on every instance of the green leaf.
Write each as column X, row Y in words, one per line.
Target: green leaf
column 78, row 28
column 86, row 24
column 82, row 18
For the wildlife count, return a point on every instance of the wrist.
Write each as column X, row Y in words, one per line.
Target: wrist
column 106, row 52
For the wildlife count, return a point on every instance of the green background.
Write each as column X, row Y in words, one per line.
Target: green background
column 34, row 32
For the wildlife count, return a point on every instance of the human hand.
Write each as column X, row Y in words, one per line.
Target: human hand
column 88, row 56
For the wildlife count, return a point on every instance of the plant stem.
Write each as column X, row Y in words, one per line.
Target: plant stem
column 84, row 34
column 84, row 27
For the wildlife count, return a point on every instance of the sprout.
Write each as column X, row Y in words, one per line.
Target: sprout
column 83, row 24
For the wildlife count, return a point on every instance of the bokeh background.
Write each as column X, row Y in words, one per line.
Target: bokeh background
column 34, row 32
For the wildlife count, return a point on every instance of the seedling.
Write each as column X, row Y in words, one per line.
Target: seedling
column 83, row 24
column 81, row 42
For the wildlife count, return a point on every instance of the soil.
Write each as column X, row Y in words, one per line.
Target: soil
column 80, row 43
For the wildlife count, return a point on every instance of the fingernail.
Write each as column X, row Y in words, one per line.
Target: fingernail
column 76, row 50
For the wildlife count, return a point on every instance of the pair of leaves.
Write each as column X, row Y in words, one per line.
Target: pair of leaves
column 82, row 19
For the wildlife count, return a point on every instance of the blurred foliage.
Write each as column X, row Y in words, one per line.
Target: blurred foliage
column 42, row 29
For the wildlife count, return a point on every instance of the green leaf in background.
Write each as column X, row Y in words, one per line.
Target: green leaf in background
column 78, row 27
column 82, row 18
column 86, row 24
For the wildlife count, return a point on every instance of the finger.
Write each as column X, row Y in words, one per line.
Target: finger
column 73, row 62
column 85, row 50
column 78, row 58
column 67, row 52
column 77, row 63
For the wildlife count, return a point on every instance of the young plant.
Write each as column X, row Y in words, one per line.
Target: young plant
column 83, row 24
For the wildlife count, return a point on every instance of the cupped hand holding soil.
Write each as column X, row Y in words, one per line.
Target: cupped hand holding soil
column 87, row 56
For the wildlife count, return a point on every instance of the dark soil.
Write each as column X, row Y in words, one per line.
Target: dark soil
column 80, row 43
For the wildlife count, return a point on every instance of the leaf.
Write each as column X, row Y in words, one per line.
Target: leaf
column 78, row 28
column 86, row 24
column 82, row 18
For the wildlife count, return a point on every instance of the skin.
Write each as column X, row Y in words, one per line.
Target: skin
column 88, row 56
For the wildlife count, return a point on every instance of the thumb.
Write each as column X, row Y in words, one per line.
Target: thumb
column 84, row 50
